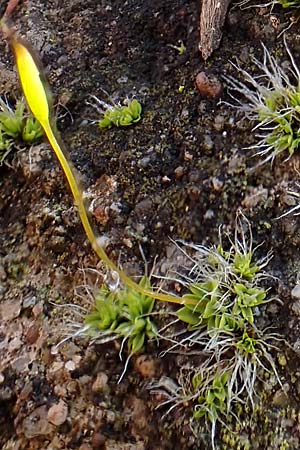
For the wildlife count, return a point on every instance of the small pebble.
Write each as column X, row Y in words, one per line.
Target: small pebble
column 70, row 365
column 280, row 399
column 20, row 364
column 144, row 162
column 165, row 179
column 208, row 143
column 128, row 242
column 58, row 413
column 146, row 366
column 14, row 344
column 60, row 390
column 32, row 334
column 98, row 441
column 69, row 350
column 57, row 365
column 139, row 227
column 217, row 184
column 122, row 80
column 100, row 384
column 54, row 350
column 194, row 192
column 10, row 309
column 296, row 292
column 219, row 122
column 76, row 360
column 110, row 416
column 209, row 214
column 73, row 387
column 208, row 85
column 273, row 308
column 29, row 301
column 185, row 113
column 6, row 394
column 36, row 424
column 37, row 310
column 85, row 379
column 296, row 347
column 179, row 172
column 188, row 156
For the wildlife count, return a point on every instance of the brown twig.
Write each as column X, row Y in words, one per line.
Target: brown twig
column 212, row 20
column 11, row 6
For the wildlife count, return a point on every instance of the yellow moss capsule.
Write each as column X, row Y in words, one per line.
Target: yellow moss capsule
column 32, row 85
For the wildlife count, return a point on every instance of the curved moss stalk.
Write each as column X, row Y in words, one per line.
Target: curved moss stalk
column 38, row 96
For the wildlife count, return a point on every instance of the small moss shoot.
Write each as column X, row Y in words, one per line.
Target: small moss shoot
column 285, row 4
column 16, row 126
column 116, row 114
column 180, row 48
column 273, row 103
column 289, row 4
column 123, row 313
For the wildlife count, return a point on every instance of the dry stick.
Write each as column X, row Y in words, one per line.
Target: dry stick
column 38, row 96
column 11, row 6
column 212, row 20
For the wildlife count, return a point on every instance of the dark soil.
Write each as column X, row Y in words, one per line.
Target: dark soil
column 179, row 173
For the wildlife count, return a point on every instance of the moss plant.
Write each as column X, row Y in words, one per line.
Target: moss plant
column 271, row 99
column 116, row 114
column 213, row 402
column 225, row 289
column 124, row 314
column 180, row 48
column 285, row 4
column 114, row 312
column 5, row 146
column 16, row 126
